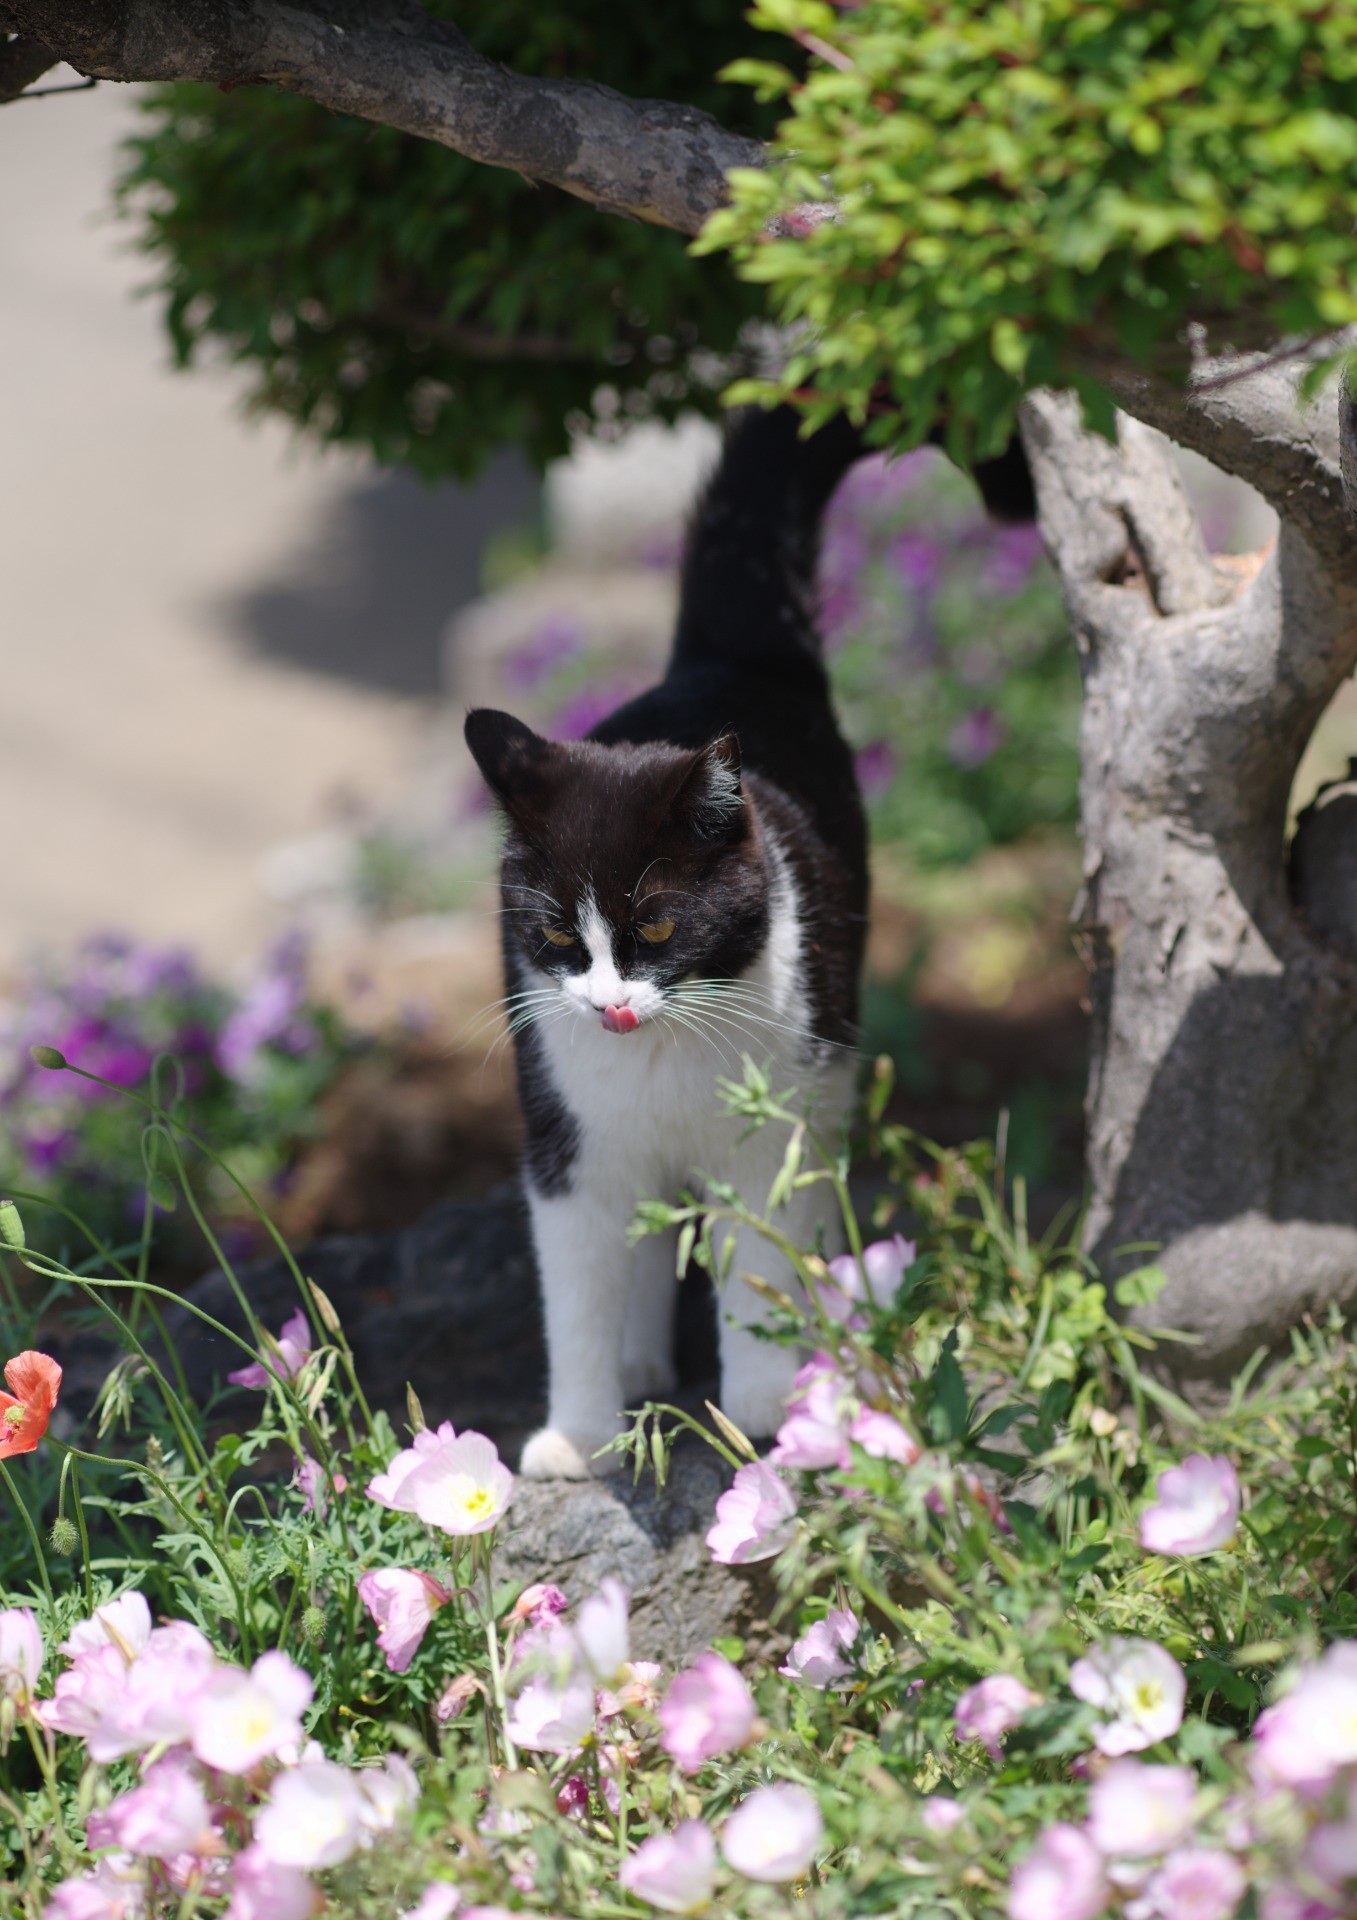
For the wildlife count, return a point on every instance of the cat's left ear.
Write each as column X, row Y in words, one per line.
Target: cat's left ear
column 710, row 799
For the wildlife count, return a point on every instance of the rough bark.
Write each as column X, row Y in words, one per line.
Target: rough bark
column 386, row 60
column 1222, row 1103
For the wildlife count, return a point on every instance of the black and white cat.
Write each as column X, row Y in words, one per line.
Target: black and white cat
column 687, row 885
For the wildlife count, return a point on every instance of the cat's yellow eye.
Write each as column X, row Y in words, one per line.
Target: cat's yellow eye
column 559, row 939
column 656, row 932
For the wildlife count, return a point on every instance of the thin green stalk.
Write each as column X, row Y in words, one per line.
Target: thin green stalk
column 42, row 1753
column 40, row 1556
column 496, row 1672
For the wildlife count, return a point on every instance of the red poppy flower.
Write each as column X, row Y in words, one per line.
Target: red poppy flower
column 34, row 1381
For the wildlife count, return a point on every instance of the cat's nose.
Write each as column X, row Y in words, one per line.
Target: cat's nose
column 620, row 1019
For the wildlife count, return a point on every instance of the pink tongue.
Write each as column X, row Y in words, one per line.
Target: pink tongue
column 620, row 1019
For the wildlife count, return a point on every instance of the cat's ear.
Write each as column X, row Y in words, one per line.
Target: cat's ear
column 710, row 799
column 516, row 762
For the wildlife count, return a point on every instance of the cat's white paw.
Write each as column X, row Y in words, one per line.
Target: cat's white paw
column 553, row 1455
column 647, row 1379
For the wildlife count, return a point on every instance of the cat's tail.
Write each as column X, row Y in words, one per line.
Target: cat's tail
column 747, row 587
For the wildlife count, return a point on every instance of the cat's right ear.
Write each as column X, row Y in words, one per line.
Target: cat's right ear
column 516, row 761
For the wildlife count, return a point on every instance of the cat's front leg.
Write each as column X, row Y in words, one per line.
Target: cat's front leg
column 648, row 1333
column 584, row 1263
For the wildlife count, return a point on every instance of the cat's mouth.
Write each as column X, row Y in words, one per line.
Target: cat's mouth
column 621, row 1019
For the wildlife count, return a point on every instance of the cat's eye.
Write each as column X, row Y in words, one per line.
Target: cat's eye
column 559, row 939
column 656, row 932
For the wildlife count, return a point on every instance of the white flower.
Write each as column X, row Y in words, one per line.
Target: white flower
column 462, row 1487
column 389, row 1793
column 551, row 1718
column 314, row 1817
column 1139, row 1685
column 124, row 1623
column 773, row 1834
column 241, row 1718
column 20, row 1652
column 602, row 1631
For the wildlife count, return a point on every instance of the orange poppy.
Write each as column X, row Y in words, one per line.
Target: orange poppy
column 34, row 1381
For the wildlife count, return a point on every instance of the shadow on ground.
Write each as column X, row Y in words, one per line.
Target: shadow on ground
column 368, row 600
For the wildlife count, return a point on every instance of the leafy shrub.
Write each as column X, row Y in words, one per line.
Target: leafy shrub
column 1039, row 1663
column 1017, row 186
column 248, row 1070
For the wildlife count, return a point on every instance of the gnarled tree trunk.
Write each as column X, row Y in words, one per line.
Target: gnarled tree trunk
column 1222, row 1104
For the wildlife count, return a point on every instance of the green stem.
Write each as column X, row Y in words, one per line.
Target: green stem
column 41, row 1557
column 496, row 1673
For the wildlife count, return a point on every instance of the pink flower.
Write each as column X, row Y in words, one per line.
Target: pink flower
column 456, row 1695
column 941, row 1813
column 1139, row 1684
column 883, row 1436
column 1196, row 1883
column 388, row 1489
column 877, row 1278
column 293, row 1349
column 460, row 1485
column 115, row 1890
column 402, row 1601
column 539, row 1604
column 1309, row 1735
column 815, row 1433
column 314, row 1817
column 1061, row 1879
column 241, row 1718
column 552, row 1717
column 754, row 1517
column 817, row 1657
column 707, row 1710
column 20, row 1653
column 124, row 1623
column 439, row 1900
column 167, row 1815
column 601, row 1635
column 151, row 1702
column 1196, row 1507
column 262, row 1890
column 316, row 1485
column 388, row 1794
column 1134, row 1810
column 85, row 1694
column 992, row 1708
column 772, row 1836
column 674, row 1871
column 34, row 1381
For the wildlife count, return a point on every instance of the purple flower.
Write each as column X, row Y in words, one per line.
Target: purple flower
column 674, row 1871
column 875, row 768
column 815, row 1433
column 1307, row 1737
column 708, row 1710
column 817, row 1657
column 1013, row 554
column 558, row 639
column 917, row 559
column 1061, row 1878
column 876, row 1277
column 316, row 1485
column 754, row 1517
column 293, row 1351
column 992, row 1708
column 402, row 1601
column 582, row 714
column 1196, row 1507
column 974, row 738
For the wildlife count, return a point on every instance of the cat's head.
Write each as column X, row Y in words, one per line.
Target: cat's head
column 628, row 870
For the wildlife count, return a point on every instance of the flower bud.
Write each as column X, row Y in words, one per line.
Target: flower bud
column 155, row 1455
column 313, row 1627
column 65, row 1539
column 237, row 1564
column 48, row 1057
column 414, row 1411
column 11, row 1226
column 325, row 1308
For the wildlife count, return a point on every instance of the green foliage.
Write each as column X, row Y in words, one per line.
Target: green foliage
column 1011, row 181
column 1004, row 1546
column 338, row 260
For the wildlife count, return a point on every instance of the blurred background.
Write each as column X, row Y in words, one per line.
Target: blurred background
column 242, row 827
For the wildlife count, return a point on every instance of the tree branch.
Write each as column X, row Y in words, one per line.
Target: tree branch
column 649, row 159
column 1255, row 425
column 22, row 61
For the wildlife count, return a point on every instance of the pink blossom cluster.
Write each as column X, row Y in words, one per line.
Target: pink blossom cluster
column 1154, row 1847
column 567, row 1678
column 772, row 1836
column 233, row 1802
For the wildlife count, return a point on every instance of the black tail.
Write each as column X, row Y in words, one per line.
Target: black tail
column 748, row 581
